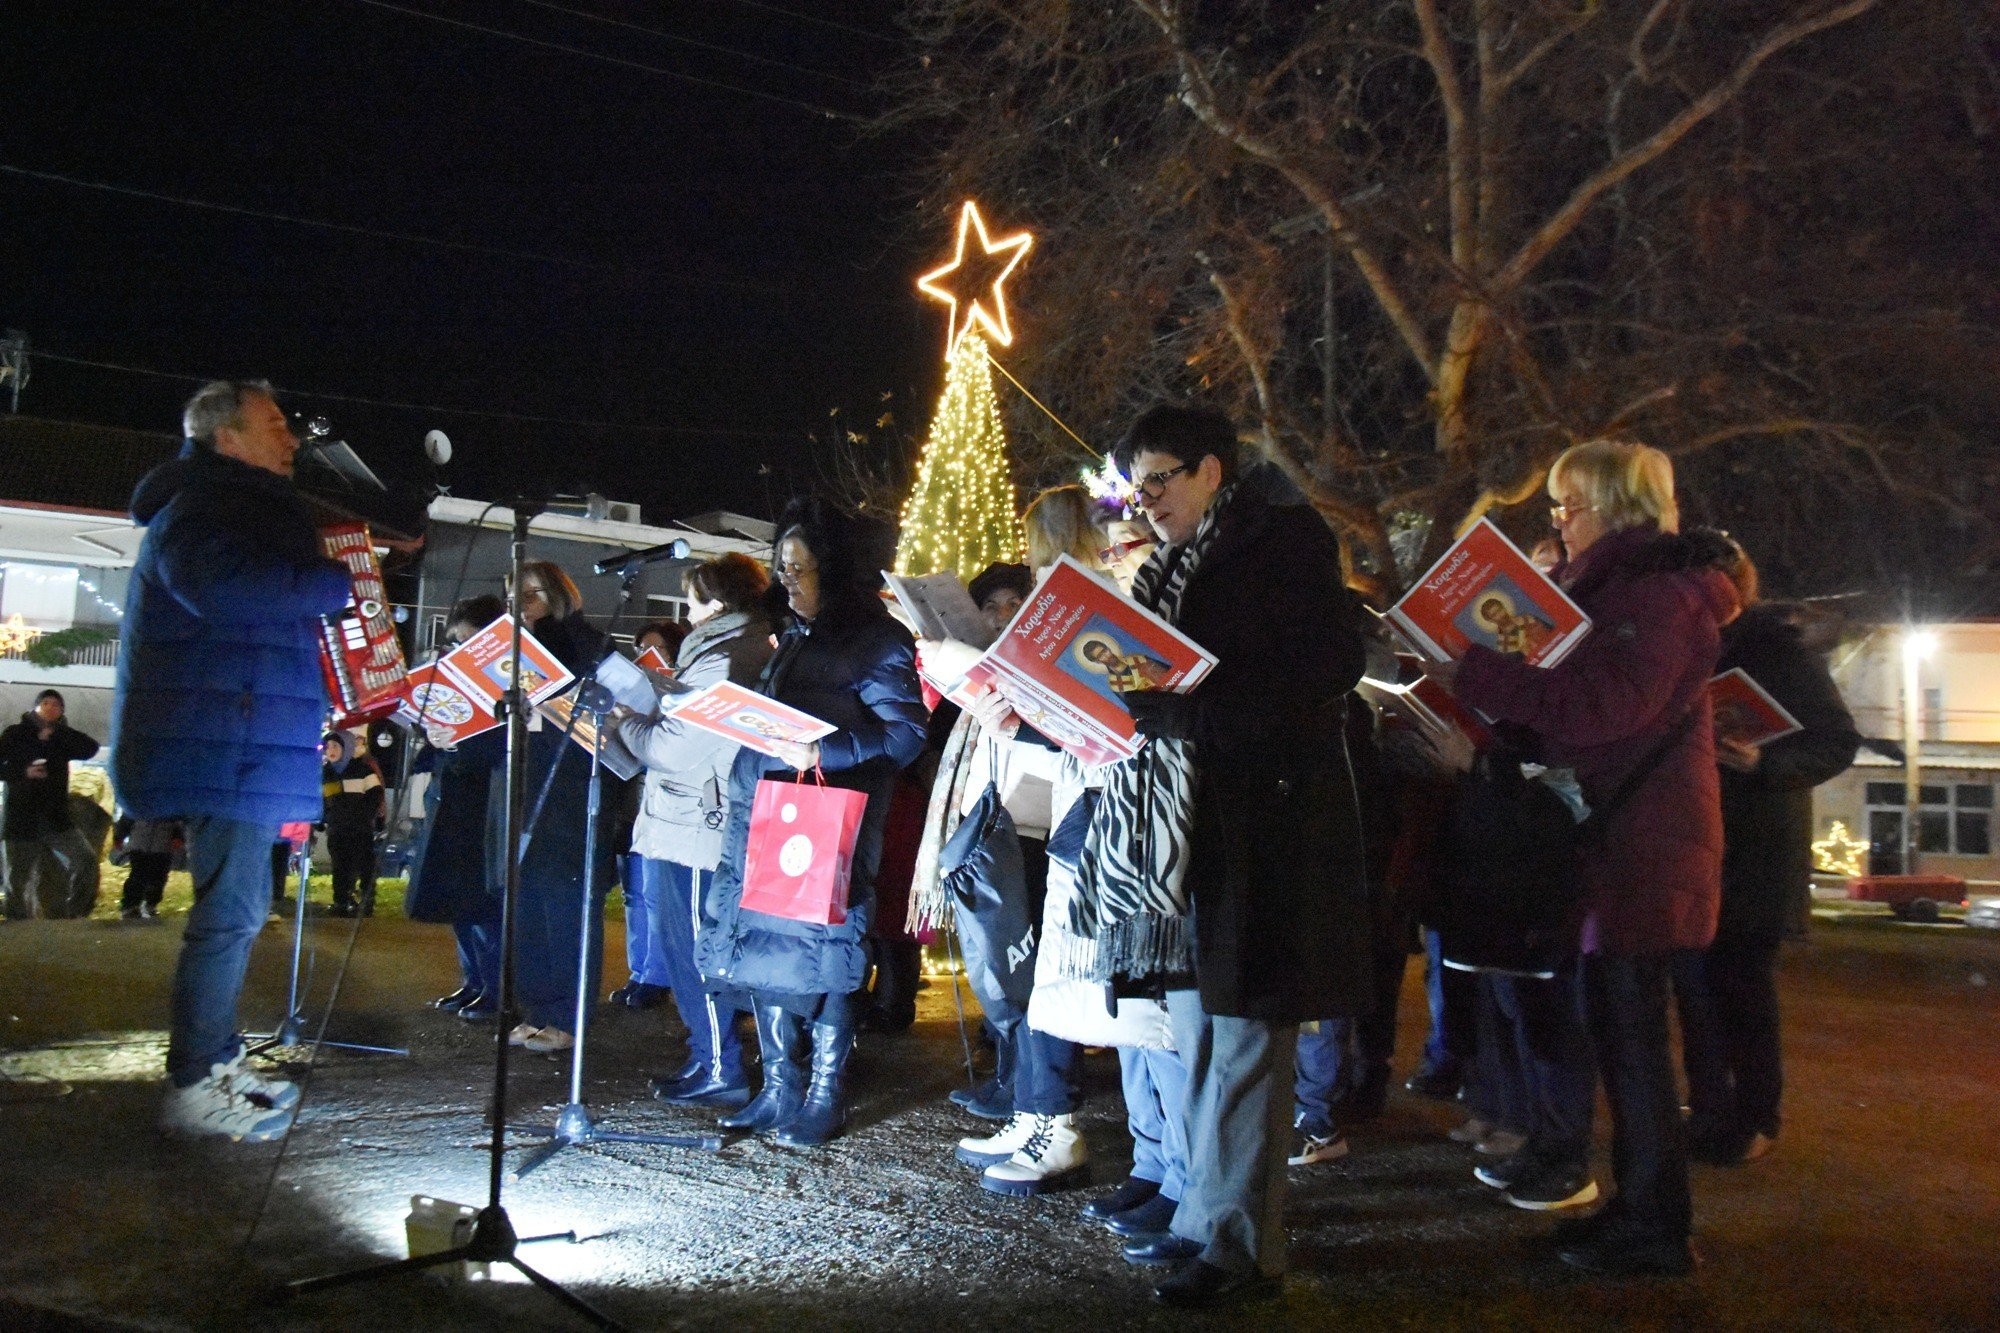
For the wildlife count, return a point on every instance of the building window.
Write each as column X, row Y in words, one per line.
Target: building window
column 43, row 596
column 1953, row 819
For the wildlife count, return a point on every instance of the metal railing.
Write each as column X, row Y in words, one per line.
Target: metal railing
column 89, row 655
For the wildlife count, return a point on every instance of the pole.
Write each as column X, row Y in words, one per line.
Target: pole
column 1912, row 732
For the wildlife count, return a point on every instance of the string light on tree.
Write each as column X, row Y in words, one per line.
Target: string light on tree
column 962, row 512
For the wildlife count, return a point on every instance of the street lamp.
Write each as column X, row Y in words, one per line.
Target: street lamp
column 1918, row 644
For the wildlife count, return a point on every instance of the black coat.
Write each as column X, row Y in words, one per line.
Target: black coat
column 37, row 806
column 1277, row 867
column 452, row 870
column 860, row 675
column 1767, row 824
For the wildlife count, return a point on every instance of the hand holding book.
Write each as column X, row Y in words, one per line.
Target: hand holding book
column 1159, row 714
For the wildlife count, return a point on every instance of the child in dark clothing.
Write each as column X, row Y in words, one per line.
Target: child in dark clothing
column 355, row 809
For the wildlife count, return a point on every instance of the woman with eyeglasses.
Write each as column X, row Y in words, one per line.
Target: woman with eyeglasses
column 548, row 917
column 683, row 809
column 1629, row 706
column 847, row 662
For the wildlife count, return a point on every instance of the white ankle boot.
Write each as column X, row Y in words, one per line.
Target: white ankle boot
column 984, row 1152
column 1052, row 1156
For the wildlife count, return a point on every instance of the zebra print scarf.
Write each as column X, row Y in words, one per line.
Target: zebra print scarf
column 1131, row 900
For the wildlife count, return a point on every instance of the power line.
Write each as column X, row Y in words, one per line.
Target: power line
column 694, row 42
column 674, row 428
column 409, row 237
column 580, row 53
column 814, row 18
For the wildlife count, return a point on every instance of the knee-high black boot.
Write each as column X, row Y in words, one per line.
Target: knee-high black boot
column 781, row 1040
column 824, row 1113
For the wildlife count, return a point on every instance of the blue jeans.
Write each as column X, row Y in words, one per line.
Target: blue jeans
column 673, row 893
column 230, row 863
column 1554, row 1053
column 1156, row 1112
column 1439, row 1057
column 645, row 927
column 1322, row 1060
column 1045, row 1073
column 1238, row 1132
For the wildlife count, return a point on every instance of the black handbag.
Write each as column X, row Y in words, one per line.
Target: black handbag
column 984, row 874
column 1507, row 886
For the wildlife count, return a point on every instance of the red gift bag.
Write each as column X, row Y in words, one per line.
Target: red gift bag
column 801, row 853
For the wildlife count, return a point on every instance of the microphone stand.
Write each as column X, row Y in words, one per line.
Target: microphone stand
column 493, row 1240
column 290, row 1032
column 574, row 1127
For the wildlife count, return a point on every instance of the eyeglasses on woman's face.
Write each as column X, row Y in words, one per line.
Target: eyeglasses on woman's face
column 1562, row 513
column 1154, row 484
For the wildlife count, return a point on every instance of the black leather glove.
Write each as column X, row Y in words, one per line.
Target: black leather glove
column 1160, row 714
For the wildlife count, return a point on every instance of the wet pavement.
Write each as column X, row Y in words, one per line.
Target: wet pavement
column 1879, row 1209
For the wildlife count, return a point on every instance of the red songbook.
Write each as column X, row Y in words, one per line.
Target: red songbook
column 655, row 660
column 360, row 655
column 1074, row 646
column 1745, row 710
column 1483, row 590
column 1426, row 706
column 746, row 717
column 458, row 696
column 446, row 710
column 485, row 660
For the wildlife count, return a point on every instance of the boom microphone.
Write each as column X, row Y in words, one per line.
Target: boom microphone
column 677, row 549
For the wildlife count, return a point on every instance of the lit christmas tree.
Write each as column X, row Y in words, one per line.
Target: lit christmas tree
column 961, row 513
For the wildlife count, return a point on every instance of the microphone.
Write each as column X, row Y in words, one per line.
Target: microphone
column 677, row 549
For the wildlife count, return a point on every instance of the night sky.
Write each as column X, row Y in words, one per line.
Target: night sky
column 739, row 265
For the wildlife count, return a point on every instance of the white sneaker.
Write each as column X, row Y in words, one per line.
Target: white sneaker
column 520, row 1035
column 998, row 1147
column 549, row 1041
column 215, row 1106
column 1053, row 1156
column 280, row 1094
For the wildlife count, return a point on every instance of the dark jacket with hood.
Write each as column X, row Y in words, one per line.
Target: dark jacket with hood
column 856, row 670
column 1277, row 865
column 37, row 806
column 1767, row 819
column 1653, row 880
column 220, row 700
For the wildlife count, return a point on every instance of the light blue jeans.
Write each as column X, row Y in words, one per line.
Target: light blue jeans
column 1155, row 1084
column 230, row 863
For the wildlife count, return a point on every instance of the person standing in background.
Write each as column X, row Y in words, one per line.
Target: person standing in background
column 35, row 755
column 355, row 808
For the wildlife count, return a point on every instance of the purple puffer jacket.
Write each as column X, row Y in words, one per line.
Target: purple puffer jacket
column 1653, row 881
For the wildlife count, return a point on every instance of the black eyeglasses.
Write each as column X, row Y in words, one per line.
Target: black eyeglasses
column 1153, row 484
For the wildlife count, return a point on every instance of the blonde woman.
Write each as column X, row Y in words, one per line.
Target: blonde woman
column 1630, row 702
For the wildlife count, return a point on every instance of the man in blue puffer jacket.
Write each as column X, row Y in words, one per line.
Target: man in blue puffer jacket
column 218, row 717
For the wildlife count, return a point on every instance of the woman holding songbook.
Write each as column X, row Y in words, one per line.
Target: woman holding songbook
column 677, row 839
column 1728, row 994
column 1628, row 711
column 846, row 662
column 549, row 915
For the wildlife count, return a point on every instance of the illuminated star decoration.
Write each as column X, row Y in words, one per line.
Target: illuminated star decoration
column 974, row 297
column 1839, row 853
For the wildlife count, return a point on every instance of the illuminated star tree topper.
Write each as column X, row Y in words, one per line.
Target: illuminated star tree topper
column 961, row 515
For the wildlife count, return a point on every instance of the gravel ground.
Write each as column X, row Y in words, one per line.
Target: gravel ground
column 1878, row 1211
